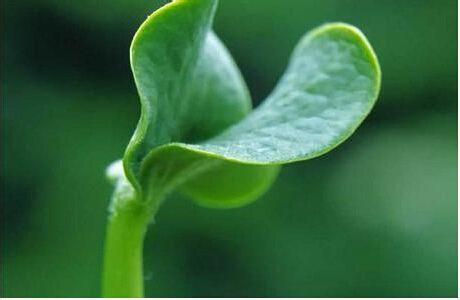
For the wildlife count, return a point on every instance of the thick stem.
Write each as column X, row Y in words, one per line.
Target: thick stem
column 123, row 275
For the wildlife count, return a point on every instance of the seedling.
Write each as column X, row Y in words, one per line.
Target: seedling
column 198, row 135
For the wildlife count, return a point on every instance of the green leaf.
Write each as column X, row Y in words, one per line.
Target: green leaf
column 196, row 131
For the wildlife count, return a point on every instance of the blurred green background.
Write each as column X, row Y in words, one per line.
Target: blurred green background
column 375, row 217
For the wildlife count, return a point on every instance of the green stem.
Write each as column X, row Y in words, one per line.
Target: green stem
column 123, row 275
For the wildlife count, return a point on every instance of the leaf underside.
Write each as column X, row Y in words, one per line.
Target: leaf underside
column 197, row 131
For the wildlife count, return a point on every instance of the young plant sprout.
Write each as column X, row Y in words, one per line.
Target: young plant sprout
column 197, row 134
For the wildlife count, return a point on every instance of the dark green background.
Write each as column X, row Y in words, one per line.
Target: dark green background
column 375, row 217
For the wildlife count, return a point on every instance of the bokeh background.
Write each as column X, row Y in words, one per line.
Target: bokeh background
column 375, row 217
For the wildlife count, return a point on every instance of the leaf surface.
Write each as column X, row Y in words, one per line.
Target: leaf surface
column 196, row 129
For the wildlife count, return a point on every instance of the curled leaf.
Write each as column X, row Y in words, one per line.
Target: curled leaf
column 197, row 132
